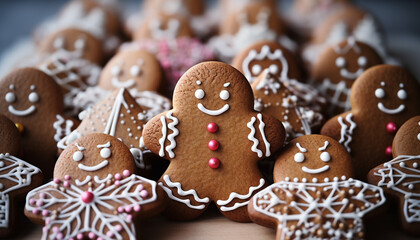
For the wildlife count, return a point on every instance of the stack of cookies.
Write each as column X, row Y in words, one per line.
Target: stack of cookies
column 300, row 122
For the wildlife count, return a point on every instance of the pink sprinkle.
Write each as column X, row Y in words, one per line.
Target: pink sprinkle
column 71, row 239
column 128, row 209
column 120, row 209
column 118, row 176
column 66, row 184
column 39, row 203
column 99, row 238
column 118, row 228
column 55, row 229
column 144, row 193
column 117, row 183
column 126, row 173
column 31, row 201
column 67, row 177
column 47, row 221
column 56, row 180
column 140, row 187
column 110, row 234
column 129, row 218
column 91, row 235
column 45, row 229
column 44, row 213
column 137, row 208
column 35, row 211
column 42, row 195
column 59, row 236
column 79, row 236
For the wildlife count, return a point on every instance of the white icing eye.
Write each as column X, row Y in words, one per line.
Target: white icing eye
column 325, row 156
column 10, row 97
column 199, row 93
column 33, row 97
column 105, row 153
column 224, row 95
column 299, row 157
column 274, row 69
column 256, row 69
column 340, row 62
column 379, row 93
column 402, row 94
column 135, row 71
column 79, row 44
column 362, row 61
column 116, row 70
column 77, row 156
column 58, row 43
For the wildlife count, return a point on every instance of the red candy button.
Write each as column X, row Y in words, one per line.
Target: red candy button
column 388, row 151
column 213, row 145
column 214, row 163
column 87, row 197
column 391, row 127
column 212, row 127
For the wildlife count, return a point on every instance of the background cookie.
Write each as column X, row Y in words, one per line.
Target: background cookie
column 214, row 140
column 382, row 99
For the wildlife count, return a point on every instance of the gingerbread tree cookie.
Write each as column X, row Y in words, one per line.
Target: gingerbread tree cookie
column 400, row 177
column 314, row 196
column 34, row 102
column 17, row 177
column 94, row 193
column 382, row 99
column 214, row 140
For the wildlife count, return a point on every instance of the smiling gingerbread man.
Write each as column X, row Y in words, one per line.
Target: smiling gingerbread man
column 214, row 140
column 382, row 99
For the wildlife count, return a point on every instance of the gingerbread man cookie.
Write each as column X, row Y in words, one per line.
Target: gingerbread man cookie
column 382, row 99
column 120, row 116
column 16, row 176
column 400, row 177
column 314, row 196
column 94, row 193
column 259, row 56
column 214, row 140
column 337, row 68
column 273, row 96
column 34, row 102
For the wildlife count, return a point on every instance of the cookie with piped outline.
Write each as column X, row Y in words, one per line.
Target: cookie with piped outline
column 314, row 196
column 94, row 193
column 17, row 177
column 382, row 99
column 214, row 140
column 400, row 177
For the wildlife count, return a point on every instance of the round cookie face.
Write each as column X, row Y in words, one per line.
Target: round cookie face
column 267, row 55
column 76, row 42
column 133, row 69
column 315, row 158
column 162, row 26
column 338, row 67
column 95, row 154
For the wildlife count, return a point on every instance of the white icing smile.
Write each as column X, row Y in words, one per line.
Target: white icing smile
column 315, row 171
column 93, row 168
column 119, row 84
column 22, row 113
column 213, row 112
column 351, row 75
column 391, row 111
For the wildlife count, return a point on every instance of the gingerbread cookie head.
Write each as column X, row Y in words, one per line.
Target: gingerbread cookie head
column 94, row 193
column 212, row 133
column 315, row 158
column 133, row 69
column 407, row 139
column 76, row 42
column 337, row 68
column 10, row 140
column 267, row 55
column 163, row 26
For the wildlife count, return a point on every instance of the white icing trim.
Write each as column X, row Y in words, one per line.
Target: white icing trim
column 97, row 167
column 386, row 110
column 346, row 133
column 315, row 171
column 163, row 138
column 266, row 143
column 112, row 122
column 80, row 183
column 302, row 149
column 119, row 84
column 59, row 131
column 106, row 145
column 323, row 148
column 22, row 113
column 171, row 137
column 251, row 137
column 213, row 112
column 351, row 75
column 339, row 89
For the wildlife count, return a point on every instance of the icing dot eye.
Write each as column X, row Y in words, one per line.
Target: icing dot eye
column 105, row 153
column 135, row 71
column 79, row 44
column 325, row 156
column 77, row 156
column 116, row 70
column 10, row 97
column 299, row 157
column 224, row 95
column 362, row 61
column 58, row 43
column 256, row 69
column 402, row 94
column 274, row 69
column 379, row 93
column 199, row 94
column 33, row 97
column 340, row 62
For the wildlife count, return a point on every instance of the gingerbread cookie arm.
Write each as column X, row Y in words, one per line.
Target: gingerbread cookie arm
column 341, row 128
column 264, row 134
column 63, row 126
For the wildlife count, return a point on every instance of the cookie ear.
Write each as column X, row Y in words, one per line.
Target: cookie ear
column 407, row 139
column 152, row 132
